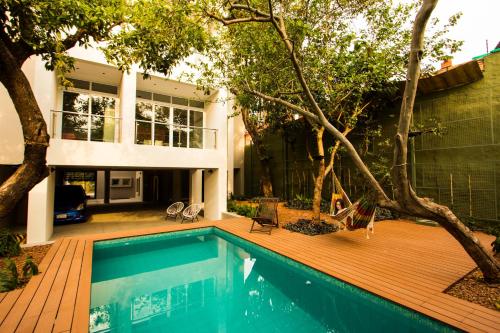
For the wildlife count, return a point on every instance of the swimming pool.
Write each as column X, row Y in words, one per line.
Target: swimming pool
column 207, row 280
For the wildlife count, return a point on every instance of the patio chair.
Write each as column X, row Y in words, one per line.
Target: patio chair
column 266, row 215
column 174, row 210
column 191, row 213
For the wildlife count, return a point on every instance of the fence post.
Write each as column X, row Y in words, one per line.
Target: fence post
column 470, row 197
column 451, row 190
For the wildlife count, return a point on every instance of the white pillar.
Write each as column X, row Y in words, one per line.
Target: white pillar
column 215, row 193
column 41, row 211
column 127, row 107
column 195, row 186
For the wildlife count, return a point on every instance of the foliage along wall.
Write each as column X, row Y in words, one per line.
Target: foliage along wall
column 459, row 167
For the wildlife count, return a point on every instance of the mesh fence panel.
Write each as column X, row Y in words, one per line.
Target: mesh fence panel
column 460, row 167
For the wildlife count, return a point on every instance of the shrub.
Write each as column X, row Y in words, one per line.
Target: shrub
column 8, row 276
column 9, row 245
column 304, row 203
column 29, row 268
column 243, row 210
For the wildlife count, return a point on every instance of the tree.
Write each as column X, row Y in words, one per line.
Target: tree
column 278, row 15
column 346, row 66
column 153, row 34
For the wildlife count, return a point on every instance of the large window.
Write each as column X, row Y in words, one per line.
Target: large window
column 158, row 123
column 87, row 179
column 89, row 116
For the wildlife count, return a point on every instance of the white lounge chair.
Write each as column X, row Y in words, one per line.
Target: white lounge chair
column 174, row 210
column 191, row 213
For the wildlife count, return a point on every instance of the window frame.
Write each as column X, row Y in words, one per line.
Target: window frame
column 92, row 93
column 171, row 106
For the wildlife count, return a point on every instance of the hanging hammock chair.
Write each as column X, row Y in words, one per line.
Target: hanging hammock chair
column 358, row 215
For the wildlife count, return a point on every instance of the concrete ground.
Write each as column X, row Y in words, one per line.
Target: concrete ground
column 104, row 222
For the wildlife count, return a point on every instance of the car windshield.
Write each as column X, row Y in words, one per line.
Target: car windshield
column 69, row 196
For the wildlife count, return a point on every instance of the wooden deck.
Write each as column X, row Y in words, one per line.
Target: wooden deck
column 407, row 263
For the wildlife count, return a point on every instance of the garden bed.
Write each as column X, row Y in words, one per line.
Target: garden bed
column 37, row 253
column 472, row 288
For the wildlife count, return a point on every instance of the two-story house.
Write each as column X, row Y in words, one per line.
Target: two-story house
column 124, row 138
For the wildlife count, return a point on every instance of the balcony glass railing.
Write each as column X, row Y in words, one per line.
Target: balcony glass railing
column 174, row 135
column 84, row 126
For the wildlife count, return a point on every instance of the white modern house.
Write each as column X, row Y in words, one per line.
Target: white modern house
column 125, row 138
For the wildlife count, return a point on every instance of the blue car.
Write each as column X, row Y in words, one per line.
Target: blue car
column 70, row 204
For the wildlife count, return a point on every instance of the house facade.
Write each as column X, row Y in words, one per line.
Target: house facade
column 124, row 138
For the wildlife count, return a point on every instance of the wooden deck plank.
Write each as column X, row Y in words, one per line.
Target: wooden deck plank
column 64, row 317
column 80, row 321
column 56, row 274
column 48, row 311
column 11, row 321
column 8, row 302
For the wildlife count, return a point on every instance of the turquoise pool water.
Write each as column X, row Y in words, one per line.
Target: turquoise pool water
column 209, row 281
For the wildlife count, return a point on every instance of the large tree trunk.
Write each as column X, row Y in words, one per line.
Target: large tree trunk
column 266, row 184
column 319, row 177
column 36, row 140
column 405, row 194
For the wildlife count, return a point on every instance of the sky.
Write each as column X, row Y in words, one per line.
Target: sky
column 480, row 22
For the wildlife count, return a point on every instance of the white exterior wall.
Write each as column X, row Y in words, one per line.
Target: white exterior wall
column 41, row 211
column 66, row 153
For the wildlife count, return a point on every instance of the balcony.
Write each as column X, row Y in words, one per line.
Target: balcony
column 69, row 125
column 82, row 126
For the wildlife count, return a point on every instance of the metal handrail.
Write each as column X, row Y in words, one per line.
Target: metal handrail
column 84, row 114
column 175, row 125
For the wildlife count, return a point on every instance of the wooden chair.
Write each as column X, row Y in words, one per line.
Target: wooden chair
column 191, row 213
column 174, row 210
column 266, row 215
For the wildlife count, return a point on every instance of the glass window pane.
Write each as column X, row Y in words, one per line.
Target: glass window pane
column 104, row 88
column 143, row 111
column 180, row 117
column 162, row 114
column 103, row 106
column 180, row 101
column 80, row 84
column 161, row 98
column 196, row 137
column 74, row 127
column 196, row 104
column 75, row 102
column 143, row 94
column 102, row 129
column 195, row 118
column 180, row 128
column 161, row 135
column 142, row 133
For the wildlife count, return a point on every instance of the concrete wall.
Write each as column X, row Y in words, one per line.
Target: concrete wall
column 122, row 192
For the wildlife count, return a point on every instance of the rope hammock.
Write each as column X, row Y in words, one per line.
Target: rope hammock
column 358, row 215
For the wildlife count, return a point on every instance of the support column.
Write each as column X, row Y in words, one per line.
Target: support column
column 195, row 186
column 215, row 193
column 127, row 107
column 107, row 184
column 41, row 211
